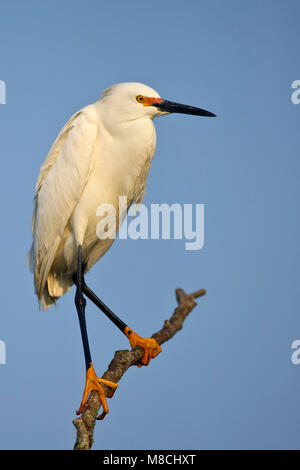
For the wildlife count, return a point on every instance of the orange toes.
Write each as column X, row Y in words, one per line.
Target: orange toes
column 94, row 383
column 150, row 346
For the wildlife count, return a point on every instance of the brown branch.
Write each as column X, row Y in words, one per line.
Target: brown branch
column 123, row 360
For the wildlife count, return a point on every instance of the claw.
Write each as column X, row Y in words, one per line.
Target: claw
column 94, row 383
column 150, row 345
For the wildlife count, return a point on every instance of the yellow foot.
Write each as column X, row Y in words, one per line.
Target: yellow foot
column 94, row 383
column 150, row 346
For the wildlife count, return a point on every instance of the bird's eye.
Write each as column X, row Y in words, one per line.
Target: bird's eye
column 140, row 99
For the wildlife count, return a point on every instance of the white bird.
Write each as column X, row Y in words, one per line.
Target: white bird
column 104, row 151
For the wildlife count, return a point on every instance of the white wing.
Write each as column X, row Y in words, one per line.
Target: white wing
column 60, row 184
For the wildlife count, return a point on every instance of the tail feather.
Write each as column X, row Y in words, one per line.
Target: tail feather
column 55, row 287
column 42, row 271
column 48, row 286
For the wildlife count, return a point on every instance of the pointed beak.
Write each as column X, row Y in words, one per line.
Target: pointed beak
column 171, row 107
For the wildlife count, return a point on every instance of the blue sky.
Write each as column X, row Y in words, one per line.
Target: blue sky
column 226, row 381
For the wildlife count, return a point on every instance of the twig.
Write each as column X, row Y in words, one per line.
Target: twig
column 123, row 360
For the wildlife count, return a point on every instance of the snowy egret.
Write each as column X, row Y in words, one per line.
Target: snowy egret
column 104, row 151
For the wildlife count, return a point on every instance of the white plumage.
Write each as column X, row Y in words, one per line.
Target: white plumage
column 104, row 151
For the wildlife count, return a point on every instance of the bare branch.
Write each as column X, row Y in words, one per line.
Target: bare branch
column 122, row 360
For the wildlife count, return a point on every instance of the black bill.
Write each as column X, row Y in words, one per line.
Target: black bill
column 171, row 107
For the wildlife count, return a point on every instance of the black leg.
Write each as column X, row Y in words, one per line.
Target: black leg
column 150, row 345
column 106, row 310
column 112, row 316
column 80, row 303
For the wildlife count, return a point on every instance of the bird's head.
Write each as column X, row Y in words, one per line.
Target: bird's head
column 135, row 100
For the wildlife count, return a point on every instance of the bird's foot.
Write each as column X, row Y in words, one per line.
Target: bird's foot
column 150, row 345
column 94, row 383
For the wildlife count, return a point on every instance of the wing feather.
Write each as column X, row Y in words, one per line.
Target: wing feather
column 60, row 184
